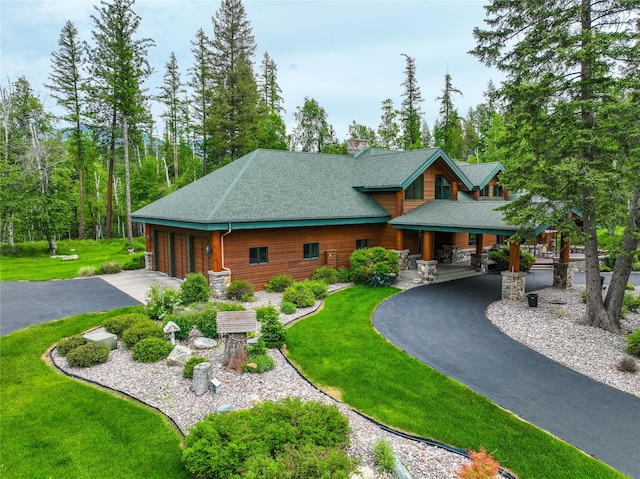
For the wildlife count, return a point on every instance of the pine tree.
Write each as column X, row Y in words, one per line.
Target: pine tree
column 448, row 134
column 172, row 91
column 268, row 87
column 410, row 113
column 389, row 130
column 201, row 82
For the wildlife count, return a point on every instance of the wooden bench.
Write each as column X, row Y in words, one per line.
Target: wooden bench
column 229, row 322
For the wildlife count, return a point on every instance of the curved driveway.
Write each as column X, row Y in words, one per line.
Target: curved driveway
column 444, row 326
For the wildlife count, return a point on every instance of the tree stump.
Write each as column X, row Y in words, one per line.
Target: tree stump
column 235, row 351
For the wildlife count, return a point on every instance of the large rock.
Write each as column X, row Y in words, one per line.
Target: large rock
column 364, row 472
column 200, row 342
column 179, row 356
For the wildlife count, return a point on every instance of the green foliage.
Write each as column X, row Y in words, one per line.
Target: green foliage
column 259, row 364
column 240, row 290
column 384, row 456
column 300, row 295
column 187, row 372
column 288, row 308
column 604, row 268
column 273, row 332
column 366, row 261
column 319, row 289
column 161, row 301
column 501, row 257
column 195, row 289
column 258, row 349
column 110, row 267
column 118, row 324
column 185, row 321
column 141, row 330
column 87, row 355
column 150, row 350
column 87, row 271
column 633, row 343
column 66, row 345
column 630, row 287
column 279, row 283
column 344, row 275
column 325, row 273
column 246, row 443
column 267, row 313
column 631, row 302
column 135, row 262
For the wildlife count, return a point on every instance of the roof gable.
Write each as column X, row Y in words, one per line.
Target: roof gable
column 480, row 174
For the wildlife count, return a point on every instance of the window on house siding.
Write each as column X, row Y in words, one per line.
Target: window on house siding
column 485, row 191
column 472, row 239
column 259, row 255
column 311, row 251
column 415, row 191
column 443, row 188
column 362, row 243
column 497, row 190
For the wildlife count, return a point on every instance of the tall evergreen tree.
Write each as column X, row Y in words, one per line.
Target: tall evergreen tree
column 562, row 60
column 448, row 131
column 411, row 113
column 68, row 86
column 201, row 82
column 272, row 131
column 389, row 129
column 234, row 114
column 268, row 87
column 171, row 94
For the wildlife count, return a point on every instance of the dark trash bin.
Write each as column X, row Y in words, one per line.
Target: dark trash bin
column 533, row 300
column 601, row 281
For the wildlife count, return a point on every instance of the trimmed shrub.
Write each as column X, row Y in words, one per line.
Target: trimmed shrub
column 185, row 321
column 288, row 308
column 110, row 267
column 258, row 349
column 279, row 283
column 240, row 290
column 150, row 350
column 161, row 301
column 259, row 364
column 267, row 313
column 273, row 332
column 344, row 275
column 366, row 261
column 288, row 438
column 319, row 288
column 501, row 258
column 300, row 295
column 383, row 454
column 87, row 271
column 627, row 365
column 140, row 331
column 119, row 324
column 87, row 355
column 325, row 273
column 66, row 345
column 194, row 289
column 633, row 343
column 135, row 262
column 187, row 372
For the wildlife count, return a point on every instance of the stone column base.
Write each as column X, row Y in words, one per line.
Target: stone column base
column 218, row 282
column 403, row 259
column 480, row 262
column 148, row 261
column 513, row 285
column 563, row 275
column 427, row 270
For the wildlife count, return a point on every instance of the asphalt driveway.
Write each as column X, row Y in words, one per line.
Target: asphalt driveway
column 23, row 303
column 444, row 326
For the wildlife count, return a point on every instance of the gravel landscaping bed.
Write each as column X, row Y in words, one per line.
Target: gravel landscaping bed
column 550, row 329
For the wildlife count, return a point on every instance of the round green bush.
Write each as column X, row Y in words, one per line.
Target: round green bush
column 87, row 355
column 118, row 324
column 319, row 288
column 344, row 275
column 187, row 372
column 140, row 331
column 150, row 350
column 288, row 308
column 195, row 289
column 161, row 301
column 279, row 283
column 258, row 349
column 633, row 343
column 300, row 295
column 366, row 261
column 66, row 345
column 239, row 290
column 259, row 364
column 325, row 273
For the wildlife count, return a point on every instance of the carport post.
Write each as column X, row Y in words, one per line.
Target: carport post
column 514, row 257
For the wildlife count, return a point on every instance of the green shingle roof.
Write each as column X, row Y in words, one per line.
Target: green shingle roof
column 480, row 174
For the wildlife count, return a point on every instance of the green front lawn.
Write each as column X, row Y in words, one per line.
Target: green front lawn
column 33, row 263
column 338, row 349
column 54, row 427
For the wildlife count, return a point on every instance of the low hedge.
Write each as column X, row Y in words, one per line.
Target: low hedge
column 88, row 354
column 66, row 345
column 259, row 364
column 150, row 350
column 119, row 324
column 140, row 331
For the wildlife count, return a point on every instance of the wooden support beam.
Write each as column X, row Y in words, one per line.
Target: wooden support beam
column 428, row 245
column 216, row 251
column 479, row 243
column 514, row 257
column 147, row 238
column 454, row 191
column 565, row 248
column 399, row 240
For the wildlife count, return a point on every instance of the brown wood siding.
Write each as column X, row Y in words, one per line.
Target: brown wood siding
column 180, row 255
column 199, row 255
column 387, row 200
column 285, row 250
column 461, row 239
column 411, row 241
column 162, row 261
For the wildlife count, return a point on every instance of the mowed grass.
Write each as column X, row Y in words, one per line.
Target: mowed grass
column 339, row 349
column 56, row 427
column 33, row 262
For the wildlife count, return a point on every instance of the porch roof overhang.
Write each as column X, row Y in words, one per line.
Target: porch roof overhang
column 478, row 217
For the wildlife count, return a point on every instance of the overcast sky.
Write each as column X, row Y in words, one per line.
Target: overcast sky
column 345, row 54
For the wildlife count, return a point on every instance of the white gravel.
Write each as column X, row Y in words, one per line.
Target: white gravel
column 592, row 352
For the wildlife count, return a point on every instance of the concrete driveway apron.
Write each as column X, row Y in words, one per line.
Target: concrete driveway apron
column 444, row 326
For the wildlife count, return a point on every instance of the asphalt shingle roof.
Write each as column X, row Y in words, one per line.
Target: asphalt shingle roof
column 479, row 174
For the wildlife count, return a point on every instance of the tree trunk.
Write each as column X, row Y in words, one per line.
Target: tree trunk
column 80, row 178
column 112, row 152
column 235, row 351
column 624, row 260
column 53, row 247
column 127, row 178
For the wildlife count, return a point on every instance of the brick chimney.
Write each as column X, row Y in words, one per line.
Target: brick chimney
column 356, row 145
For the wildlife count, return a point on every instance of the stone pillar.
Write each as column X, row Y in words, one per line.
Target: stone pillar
column 148, row 261
column 562, row 275
column 403, row 259
column 428, row 270
column 513, row 285
column 218, row 282
column 480, row 262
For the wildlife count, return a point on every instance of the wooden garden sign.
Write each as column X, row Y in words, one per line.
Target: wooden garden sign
column 235, row 325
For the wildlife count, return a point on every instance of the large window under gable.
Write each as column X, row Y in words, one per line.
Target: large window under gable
column 415, row 191
column 443, row 188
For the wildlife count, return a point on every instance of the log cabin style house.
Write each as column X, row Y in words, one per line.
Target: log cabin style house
column 273, row 212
